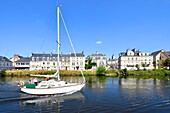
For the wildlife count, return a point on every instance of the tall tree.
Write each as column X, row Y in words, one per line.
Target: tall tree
column 90, row 64
column 144, row 65
column 137, row 66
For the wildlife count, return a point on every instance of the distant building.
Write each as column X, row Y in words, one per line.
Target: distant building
column 49, row 61
column 5, row 63
column 98, row 58
column 15, row 58
column 112, row 63
column 20, row 62
column 23, row 63
column 159, row 57
column 131, row 58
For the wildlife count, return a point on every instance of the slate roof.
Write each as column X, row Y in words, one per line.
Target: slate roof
column 4, row 59
column 167, row 53
column 77, row 54
column 56, row 55
column 98, row 55
column 24, row 59
column 156, row 53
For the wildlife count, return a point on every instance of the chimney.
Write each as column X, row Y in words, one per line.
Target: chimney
column 97, row 52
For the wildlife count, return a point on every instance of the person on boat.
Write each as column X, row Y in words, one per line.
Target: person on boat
column 47, row 78
column 29, row 81
column 36, row 81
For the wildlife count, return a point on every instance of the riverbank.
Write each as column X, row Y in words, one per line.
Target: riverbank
column 47, row 72
column 161, row 73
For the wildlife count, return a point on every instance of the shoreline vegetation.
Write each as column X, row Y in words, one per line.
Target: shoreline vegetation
column 158, row 73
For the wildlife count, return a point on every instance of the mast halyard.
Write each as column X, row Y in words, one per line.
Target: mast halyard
column 58, row 35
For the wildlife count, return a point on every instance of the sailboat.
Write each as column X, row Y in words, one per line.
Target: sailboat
column 55, row 85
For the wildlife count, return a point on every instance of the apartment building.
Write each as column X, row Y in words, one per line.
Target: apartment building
column 23, row 63
column 49, row 61
column 131, row 58
column 98, row 58
column 159, row 57
column 112, row 63
column 5, row 63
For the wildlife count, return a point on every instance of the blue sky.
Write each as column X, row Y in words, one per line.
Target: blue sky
column 106, row 26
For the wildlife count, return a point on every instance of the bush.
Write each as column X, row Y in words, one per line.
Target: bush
column 2, row 73
column 101, row 70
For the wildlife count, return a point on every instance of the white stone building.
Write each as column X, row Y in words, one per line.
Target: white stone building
column 131, row 58
column 99, row 59
column 23, row 63
column 112, row 63
column 49, row 61
column 5, row 63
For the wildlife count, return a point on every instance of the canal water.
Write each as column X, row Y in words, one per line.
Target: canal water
column 100, row 95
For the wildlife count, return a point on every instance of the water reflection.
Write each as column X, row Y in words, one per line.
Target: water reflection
column 26, row 99
column 101, row 94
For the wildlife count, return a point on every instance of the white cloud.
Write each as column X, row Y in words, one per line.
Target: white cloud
column 99, row 42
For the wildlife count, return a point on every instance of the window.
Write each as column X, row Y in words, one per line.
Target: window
column 22, row 63
column 54, row 58
column 44, row 59
column 37, row 59
column 73, row 63
column 48, row 58
column 17, row 63
column 53, row 63
column 81, row 63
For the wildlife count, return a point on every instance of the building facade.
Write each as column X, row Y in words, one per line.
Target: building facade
column 23, row 63
column 159, row 57
column 49, row 61
column 5, row 63
column 99, row 59
column 131, row 58
column 15, row 58
column 112, row 63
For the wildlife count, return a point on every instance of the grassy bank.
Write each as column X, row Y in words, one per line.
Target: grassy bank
column 159, row 73
column 47, row 72
column 162, row 74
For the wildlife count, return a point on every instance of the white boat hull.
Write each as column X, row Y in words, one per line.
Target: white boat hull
column 55, row 90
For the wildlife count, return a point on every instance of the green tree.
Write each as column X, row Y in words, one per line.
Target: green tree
column 90, row 64
column 166, row 63
column 101, row 70
column 144, row 65
column 137, row 66
column 2, row 73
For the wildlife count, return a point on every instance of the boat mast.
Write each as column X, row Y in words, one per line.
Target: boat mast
column 58, row 35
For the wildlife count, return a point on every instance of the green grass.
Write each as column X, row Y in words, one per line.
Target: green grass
column 160, row 73
column 47, row 72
